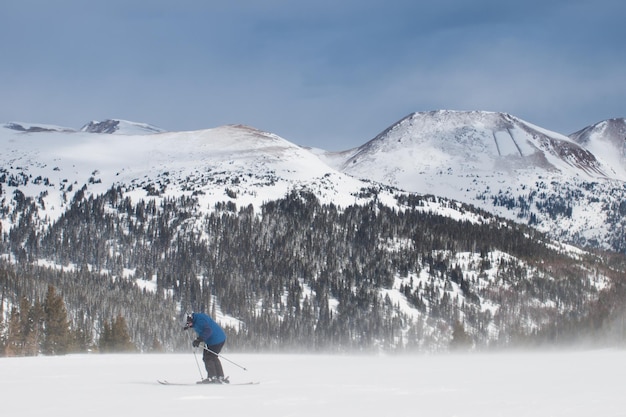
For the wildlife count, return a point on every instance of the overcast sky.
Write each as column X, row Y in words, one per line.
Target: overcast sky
column 329, row 74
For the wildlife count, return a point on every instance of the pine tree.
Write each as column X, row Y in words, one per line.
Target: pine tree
column 26, row 330
column 460, row 339
column 105, row 343
column 121, row 337
column 14, row 334
column 115, row 337
column 57, row 338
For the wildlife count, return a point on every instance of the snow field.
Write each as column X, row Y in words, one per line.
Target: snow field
column 568, row 384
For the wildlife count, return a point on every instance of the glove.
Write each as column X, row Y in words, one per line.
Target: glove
column 196, row 342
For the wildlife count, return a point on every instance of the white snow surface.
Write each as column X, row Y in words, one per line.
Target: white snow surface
column 68, row 160
column 568, row 384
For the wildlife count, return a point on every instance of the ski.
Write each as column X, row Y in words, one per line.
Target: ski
column 165, row 382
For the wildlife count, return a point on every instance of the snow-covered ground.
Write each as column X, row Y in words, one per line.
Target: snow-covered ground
column 589, row 383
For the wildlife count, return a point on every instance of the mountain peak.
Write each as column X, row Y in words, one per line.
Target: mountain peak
column 35, row 128
column 468, row 142
column 606, row 140
column 120, row 127
column 613, row 130
column 495, row 161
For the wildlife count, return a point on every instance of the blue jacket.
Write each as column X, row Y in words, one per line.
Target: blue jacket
column 207, row 329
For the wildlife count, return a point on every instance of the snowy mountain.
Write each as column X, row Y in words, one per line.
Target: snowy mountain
column 228, row 163
column 607, row 140
column 464, row 142
column 569, row 187
column 111, row 126
column 279, row 241
column 565, row 186
column 34, row 128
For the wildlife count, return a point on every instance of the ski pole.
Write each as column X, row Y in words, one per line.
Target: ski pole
column 225, row 358
column 197, row 363
column 193, row 349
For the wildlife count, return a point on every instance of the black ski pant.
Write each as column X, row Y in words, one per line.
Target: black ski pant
column 211, row 360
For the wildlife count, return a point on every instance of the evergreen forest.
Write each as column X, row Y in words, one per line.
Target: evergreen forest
column 112, row 274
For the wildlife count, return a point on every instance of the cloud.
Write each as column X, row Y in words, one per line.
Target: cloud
column 327, row 74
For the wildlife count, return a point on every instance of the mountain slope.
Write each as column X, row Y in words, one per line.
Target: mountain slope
column 282, row 246
column 607, row 140
column 121, row 127
column 425, row 145
column 229, row 163
column 501, row 164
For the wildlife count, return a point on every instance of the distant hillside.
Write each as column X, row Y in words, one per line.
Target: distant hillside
column 290, row 253
column 508, row 167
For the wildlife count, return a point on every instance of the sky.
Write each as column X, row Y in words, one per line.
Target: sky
column 326, row 74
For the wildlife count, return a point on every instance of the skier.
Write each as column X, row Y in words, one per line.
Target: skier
column 213, row 337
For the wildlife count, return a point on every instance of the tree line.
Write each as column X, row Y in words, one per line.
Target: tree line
column 298, row 274
column 44, row 327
